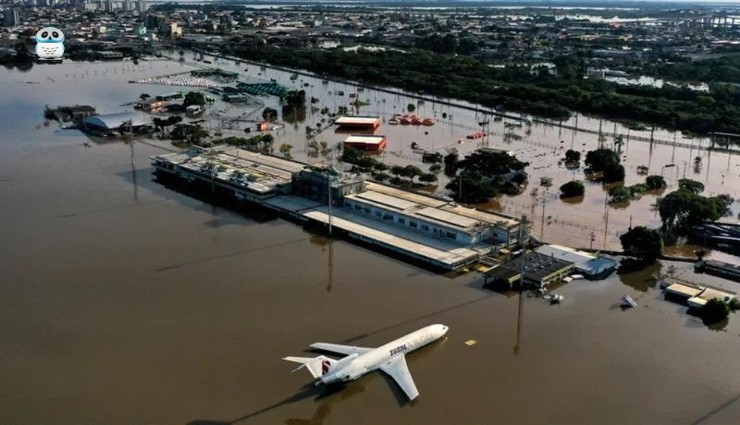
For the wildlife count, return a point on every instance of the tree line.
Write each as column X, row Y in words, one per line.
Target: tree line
column 514, row 88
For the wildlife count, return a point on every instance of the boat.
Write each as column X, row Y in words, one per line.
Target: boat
column 476, row 135
column 404, row 121
column 428, row 122
column 394, row 121
column 556, row 298
column 628, row 302
column 415, row 121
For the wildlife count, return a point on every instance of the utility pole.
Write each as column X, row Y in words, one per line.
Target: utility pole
column 133, row 159
column 591, row 244
column 542, row 230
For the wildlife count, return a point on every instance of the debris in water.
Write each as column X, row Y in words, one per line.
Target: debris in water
column 471, row 342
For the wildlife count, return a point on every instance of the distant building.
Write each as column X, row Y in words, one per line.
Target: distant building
column 128, row 5
column 141, row 6
column 10, row 17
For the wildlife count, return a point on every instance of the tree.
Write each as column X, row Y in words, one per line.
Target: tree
column 692, row 186
column 644, row 243
column 411, row 171
column 285, row 149
column 397, row 170
column 714, row 311
column 601, row 159
column 572, row 189
column 619, row 194
column 451, row 162
column 681, row 210
column 572, row 156
column 411, row 107
column 194, row 98
column 269, row 114
column 469, row 187
column 614, row 173
column 655, row 182
column 428, row 178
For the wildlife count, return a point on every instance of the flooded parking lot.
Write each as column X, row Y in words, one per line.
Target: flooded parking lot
column 123, row 301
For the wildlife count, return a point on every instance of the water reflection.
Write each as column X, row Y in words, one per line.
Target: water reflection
column 638, row 278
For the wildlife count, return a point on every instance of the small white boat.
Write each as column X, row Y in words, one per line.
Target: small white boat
column 556, row 298
column 628, row 302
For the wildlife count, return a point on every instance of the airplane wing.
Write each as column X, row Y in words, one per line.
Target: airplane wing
column 399, row 371
column 339, row 348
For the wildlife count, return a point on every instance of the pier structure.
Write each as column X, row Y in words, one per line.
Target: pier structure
column 433, row 231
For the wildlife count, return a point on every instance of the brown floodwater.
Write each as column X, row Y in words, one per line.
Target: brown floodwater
column 570, row 222
column 123, row 301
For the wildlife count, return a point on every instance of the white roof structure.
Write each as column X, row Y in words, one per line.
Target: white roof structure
column 357, row 121
column 114, row 121
column 368, row 140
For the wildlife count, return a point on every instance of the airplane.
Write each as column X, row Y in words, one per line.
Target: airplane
column 389, row 358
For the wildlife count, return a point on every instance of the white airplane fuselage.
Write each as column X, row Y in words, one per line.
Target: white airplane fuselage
column 355, row 365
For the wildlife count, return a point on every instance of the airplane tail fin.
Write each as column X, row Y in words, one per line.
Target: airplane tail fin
column 317, row 366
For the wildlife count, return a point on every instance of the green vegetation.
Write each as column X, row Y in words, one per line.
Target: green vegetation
column 626, row 193
column 468, row 187
column 683, row 209
column 258, row 143
column 514, row 88
column 483, row 174
column 572, row 189
column 361, row 161
column 194, row 98
column 450, row 161
column 285, row 149
column 724, row 69
column 189, row 133
column 269, row 114
column 572, row 156
column 607, row 163
column 643, row 243
column 714, row 311
column 692, row 186
column 294, row 105
column 655, row 182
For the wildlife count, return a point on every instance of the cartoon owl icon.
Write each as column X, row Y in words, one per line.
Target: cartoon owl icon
column 49, row 43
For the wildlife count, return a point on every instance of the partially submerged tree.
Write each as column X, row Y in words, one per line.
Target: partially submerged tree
column 643, row 243
column 572, row 189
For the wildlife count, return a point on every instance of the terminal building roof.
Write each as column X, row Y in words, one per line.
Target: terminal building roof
column 430, row 208
column 114, row 121
column 256, row 172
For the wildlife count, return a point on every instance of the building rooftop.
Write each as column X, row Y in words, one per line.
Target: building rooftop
column 370, row 139
column 536, row 266
column 357, row 120
column 114, row 121
column 583, row 260
column 254, row 171
column 429, row 208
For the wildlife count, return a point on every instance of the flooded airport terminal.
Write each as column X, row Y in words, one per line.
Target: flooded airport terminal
column 129, row 297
